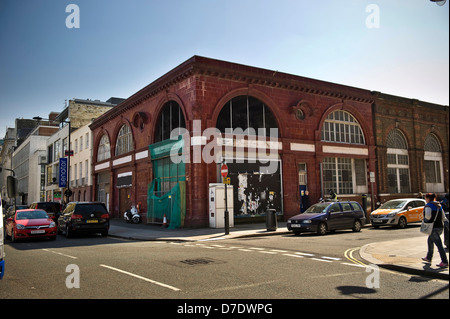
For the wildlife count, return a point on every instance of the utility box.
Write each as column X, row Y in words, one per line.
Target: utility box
column 217, row 205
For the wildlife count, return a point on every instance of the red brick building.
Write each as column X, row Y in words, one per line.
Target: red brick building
column 412, row 140
column 324, row 140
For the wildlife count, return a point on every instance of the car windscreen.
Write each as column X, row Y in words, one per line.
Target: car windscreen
column 50, row 207
column 35, row 214
column 393, row 204
column 86, row 210
column 317, row 208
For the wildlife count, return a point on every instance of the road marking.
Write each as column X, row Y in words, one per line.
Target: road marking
column 140, row 277
column 349, row 255
column 304, row 254
column 291, row 255
column 331, row 258
column 55, row 252
column 279, row 251
column 327, row 261
column 266, row 252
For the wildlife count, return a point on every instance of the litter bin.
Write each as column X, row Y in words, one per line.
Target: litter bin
column 271, row 219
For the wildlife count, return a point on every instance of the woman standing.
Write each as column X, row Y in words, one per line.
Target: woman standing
column 433, row 213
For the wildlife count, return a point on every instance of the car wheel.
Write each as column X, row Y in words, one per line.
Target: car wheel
column 322, row 229
column 402, row 222
column 357, row 226
column 69, row 233
column 13, row 237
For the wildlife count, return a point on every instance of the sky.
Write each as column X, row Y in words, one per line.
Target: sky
column 397, row 47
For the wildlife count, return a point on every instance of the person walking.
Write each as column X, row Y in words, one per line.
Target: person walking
column 433, row 213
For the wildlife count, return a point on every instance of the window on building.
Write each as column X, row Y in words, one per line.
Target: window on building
column 344, row 175
column 342, row 127
column 104, row 149
column 57, row 149
column 124, row 142
column 433, row 164
column 246, row 112
column 171, row 118
column 397, row 163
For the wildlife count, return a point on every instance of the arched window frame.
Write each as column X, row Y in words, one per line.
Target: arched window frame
column 124, row 142
column 170, row 118
column 104, row 149
column 342, row 127
column 433, row 164
column 241, row 113
column 397, row 162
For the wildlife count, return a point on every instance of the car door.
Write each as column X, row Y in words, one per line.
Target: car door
column 347, row 215
column 335, row 220
column 415, row 211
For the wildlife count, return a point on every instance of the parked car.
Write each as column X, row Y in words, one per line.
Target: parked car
column 85, row 217
column 328, row 216
column 10, row 212
column 53, row 209
column 30, row 223
column 398, row 212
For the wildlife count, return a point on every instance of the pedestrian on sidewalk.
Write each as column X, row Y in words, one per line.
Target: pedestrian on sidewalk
column 433, row 213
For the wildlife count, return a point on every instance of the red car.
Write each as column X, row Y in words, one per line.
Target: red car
column 30, row 223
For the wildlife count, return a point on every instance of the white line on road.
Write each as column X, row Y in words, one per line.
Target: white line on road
column 331, row 258
column 327, row 261
column 304, row 254
column 140, row 277
column 267, row 252
column 55, row 252
column 354, row 265
column 291, row 255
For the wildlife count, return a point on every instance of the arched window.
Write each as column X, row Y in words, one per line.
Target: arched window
column 342, row 127
column 104, row 149
column 432, row 144
column 246, row 112
column 124, row 142
column 171, row 118
column 433, row 164
column 397, row 162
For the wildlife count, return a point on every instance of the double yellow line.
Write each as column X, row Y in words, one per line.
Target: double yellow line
column 349, row 255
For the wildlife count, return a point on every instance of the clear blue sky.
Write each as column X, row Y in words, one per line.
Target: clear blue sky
column 121, row 46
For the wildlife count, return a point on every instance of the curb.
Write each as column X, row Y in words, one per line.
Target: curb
column 415, row 271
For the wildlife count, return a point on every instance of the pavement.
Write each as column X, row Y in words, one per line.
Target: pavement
column 403, row 255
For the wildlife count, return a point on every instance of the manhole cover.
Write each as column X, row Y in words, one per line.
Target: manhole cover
column 198, row 261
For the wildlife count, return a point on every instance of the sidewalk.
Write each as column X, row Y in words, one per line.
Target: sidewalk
column 402, row 255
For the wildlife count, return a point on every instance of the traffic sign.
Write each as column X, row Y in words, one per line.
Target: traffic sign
column 224, row 170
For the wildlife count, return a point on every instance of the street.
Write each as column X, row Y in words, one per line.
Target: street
column 272, row 267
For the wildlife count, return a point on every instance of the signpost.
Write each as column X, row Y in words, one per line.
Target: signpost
column 224, row 172
column 63, row 172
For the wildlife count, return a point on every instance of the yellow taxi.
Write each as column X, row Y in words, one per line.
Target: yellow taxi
column 398, row 213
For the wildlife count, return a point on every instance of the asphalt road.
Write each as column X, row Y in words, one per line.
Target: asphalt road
column 274, row 267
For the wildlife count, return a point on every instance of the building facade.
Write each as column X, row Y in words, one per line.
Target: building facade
column 78, row 113
column 280, row 135
column 412, row 140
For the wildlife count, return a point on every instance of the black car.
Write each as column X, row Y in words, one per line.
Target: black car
column 53, row 209
column 84, row 217
column 328, row 216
